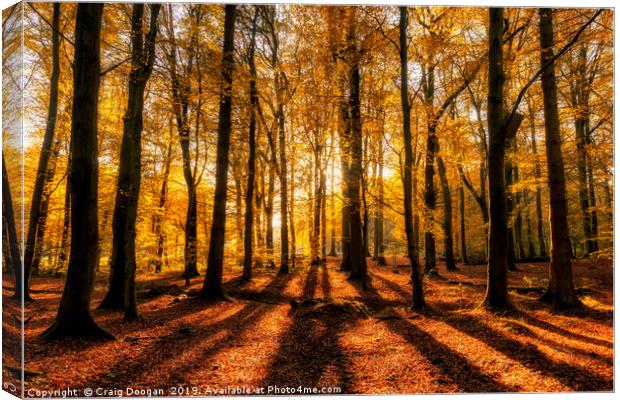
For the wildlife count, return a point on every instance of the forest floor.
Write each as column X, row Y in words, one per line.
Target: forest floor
column 348, row 340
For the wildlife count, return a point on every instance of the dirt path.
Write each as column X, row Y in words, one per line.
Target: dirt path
column 261, row 341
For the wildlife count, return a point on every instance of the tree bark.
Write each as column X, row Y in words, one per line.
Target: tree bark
column 357, row 256
column 249, row 194
column 379, row 247
column 497, row 275
column 412, row 252
column 462, row 220
column 163, row 198
column 447, row 216
column 542, row 246
column 44, row 158
column 561, row 291
column 45, row 201
column 122, row 290
column 74, row 318
column 10, row 233
column 212, row 287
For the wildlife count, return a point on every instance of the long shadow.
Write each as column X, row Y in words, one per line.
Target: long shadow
column 572, row 376
column 444, row 306
column 560, row 331
column 310, row 347
column 568, row 374
column 129, row 372
column 452, row 366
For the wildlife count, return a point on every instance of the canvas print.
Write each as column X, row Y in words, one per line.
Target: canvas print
column 266, row 199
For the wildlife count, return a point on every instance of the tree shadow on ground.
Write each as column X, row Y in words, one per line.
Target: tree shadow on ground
column 452, row 367
column 130, row 372
column 526, row 354
column 309, row 347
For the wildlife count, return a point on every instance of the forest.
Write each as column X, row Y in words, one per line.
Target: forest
column 297, row 199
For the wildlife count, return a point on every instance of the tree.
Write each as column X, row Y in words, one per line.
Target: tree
column 249, row 194
column 357, row 256
column 412, row 252
column 212, row 287
column 35, row 218
column 497, row 274
column 74, row 318
column 181, row 89
column 447, row 217
column 10, row 232
column 561, row 290
column 122, row 291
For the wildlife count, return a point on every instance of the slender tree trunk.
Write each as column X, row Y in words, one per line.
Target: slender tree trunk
column 332, row 218
column 542, row 246
column 163, row 198
column 528, row 223
column 66, row 221
column 462, row 220
column 497, row 276
column 316, row 227
column 412, row 252
column 212, row 287
column 269, row 211
column 379, row 248
column 74, row 318
column 10, row 233
column 284, row 250
column 122, row 290
column 44, row 158
column 430, row 200
column 249, row 194
column 561, row 290
column 518, row 225
column 447, row 217
column 49, row 180
column 510, row 206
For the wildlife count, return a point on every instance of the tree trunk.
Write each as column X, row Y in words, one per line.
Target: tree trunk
column 447, row 216
column 66, row 222
column 249, row 194
column 284, row 256
column 542, row 246
column 10, row 233
column 212, row 287
column 332, row 208
column 412, row 252
column 49, row 180
column 497, row 276
column 430, row 200
column 561, row 290
column 122, row 291
column 163, row 197
column 357, row 256
column 269, row 210
column 74, row 318
column 44, row 158
column 510, row 206
column 316, row 227
column 378, row 248
column 462, row 220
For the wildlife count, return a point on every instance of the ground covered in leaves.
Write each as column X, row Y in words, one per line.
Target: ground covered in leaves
column 313, row 331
